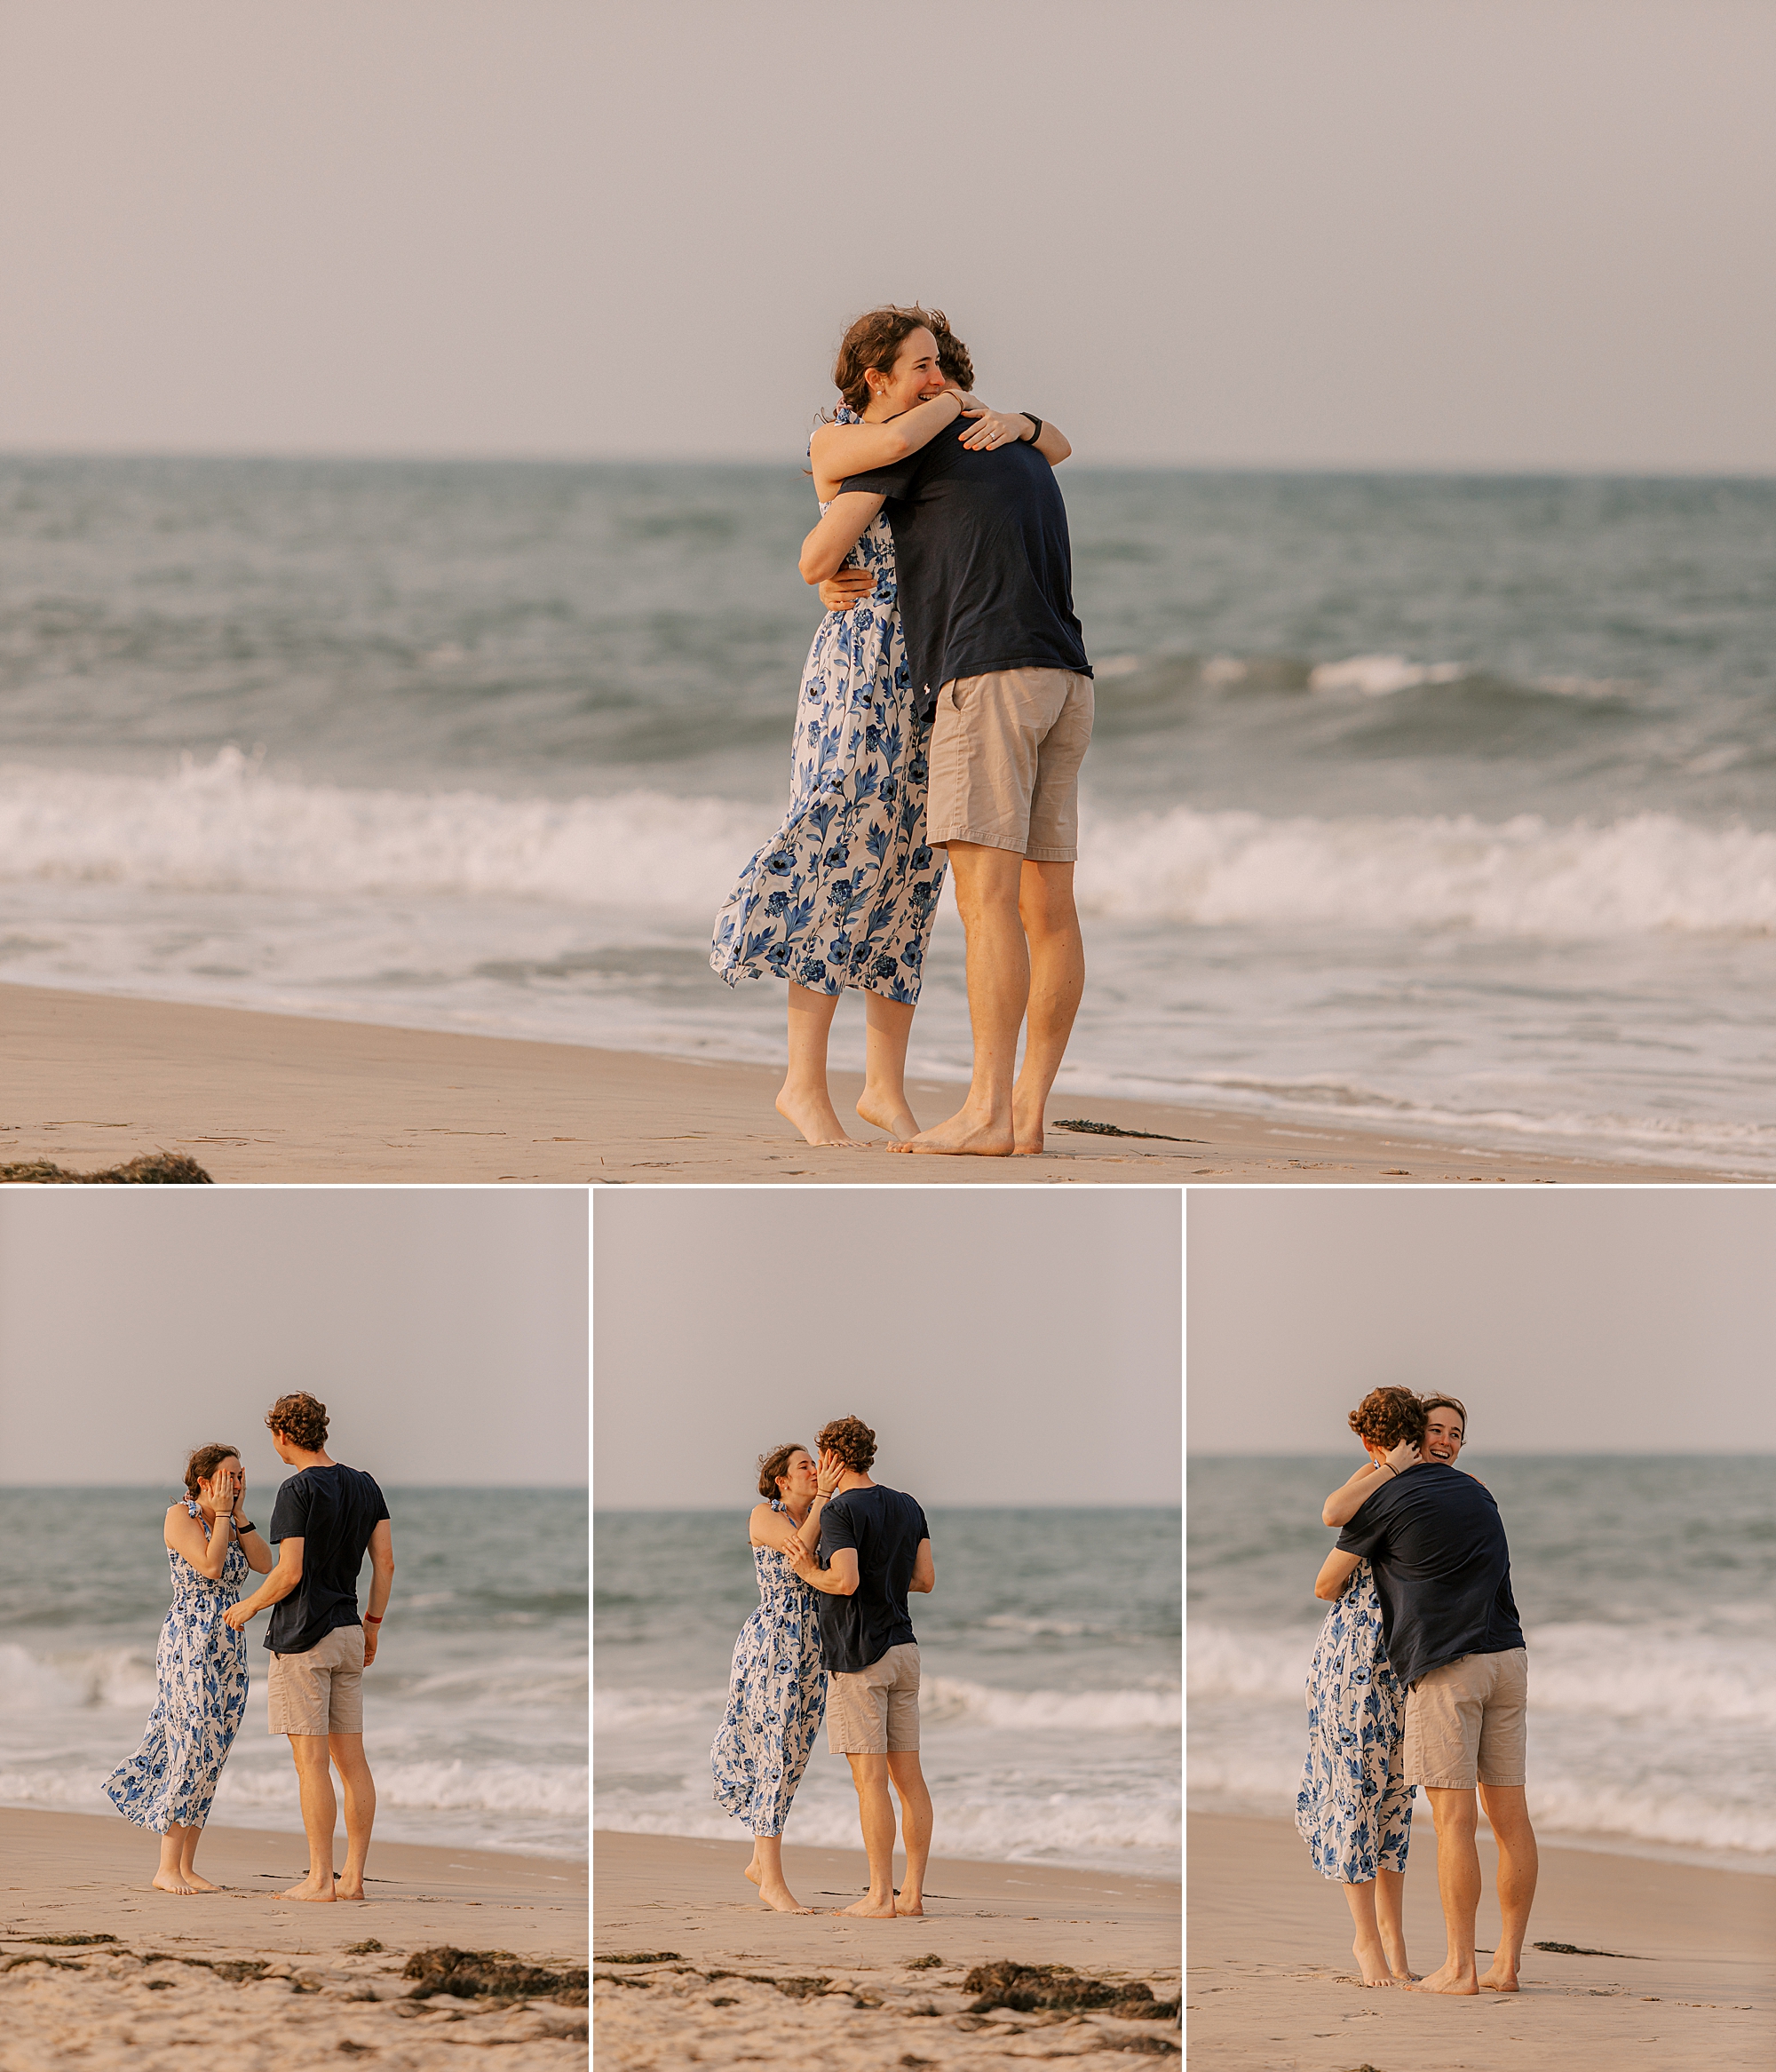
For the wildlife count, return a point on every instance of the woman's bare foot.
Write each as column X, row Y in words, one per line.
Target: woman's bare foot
column 175, row 1881
column 813, row 1114
column 752, row 1871
column 780, row 1900
column 311, row 1888
column 1372, row 1961
column 196, row 1883
column 893, row 1117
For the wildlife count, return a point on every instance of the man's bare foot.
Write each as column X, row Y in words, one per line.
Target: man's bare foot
column 174, row 1881
column 1372, row 1964
column 342, row 1891
column 1498, row 1977
column 780, row 1900
column 894, row 1118
column 1027, row 1128
column 1447, row 1977
column 311, row 1888
column 813, row 1116
column 871, row 1909
column 906, row 1902
column 963, row 1137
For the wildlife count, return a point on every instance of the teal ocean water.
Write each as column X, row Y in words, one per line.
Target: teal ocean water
column 475, row 1709
column 1648, row 1592
column 1437, row 802
column 1050, row 1703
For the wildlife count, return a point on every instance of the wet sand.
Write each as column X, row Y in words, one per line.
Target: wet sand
column 1694, row 1984
column 99, row 1971
column 92, row 1081
column 724, row 1972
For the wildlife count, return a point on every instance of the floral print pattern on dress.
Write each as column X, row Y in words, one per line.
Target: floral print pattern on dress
column 846, row 891
column 202, row 1667
column 1354, row 1807
column 776, row 1699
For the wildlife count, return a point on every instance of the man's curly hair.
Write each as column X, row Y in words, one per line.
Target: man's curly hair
column 301, row 1419
column 1386, row 1415
column 852, row 1440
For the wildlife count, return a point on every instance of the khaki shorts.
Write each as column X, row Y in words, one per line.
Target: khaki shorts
column 875, row 1711
column 1465, row 1723
column 1004, row 762
column 321, row 1691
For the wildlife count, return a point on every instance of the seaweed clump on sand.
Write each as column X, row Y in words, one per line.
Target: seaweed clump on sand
column 490, row 1974
column 154, row 1169
column 1025, row 1987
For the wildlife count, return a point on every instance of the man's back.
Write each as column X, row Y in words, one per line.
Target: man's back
column 1436, row 1542
column 885, row 1527
column 333, row 1511
column 983, row 562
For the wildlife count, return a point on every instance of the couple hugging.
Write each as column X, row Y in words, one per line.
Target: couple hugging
column 1420, row 1677
column 325, row 1518
column 945, row 709
column 835, row 1554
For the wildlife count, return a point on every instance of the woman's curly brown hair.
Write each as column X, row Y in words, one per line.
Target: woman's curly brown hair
column 852, row 1440
column 1386, row 1415
column 203, row 1464
column 872, row 344
column 771, row 1465
column 1448, row 1403
column 301, row 1419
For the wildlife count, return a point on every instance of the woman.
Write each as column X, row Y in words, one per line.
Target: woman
column 166, row 1786
column 847, row 891
column 1354, row 1807
column 776, row 1693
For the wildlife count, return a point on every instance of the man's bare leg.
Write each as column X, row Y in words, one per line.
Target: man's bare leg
column 320, row 1810
column 1507, row 1808
column 171, row 1876
column 359, row 1789
column 916, row 1828
column 767, row 1856
column 887, row 1025
column 189, row 1838
column 1458, row 1886
column 1051, row 924
column 1391, row 1920
column 986, row 883
column 804, row 1099
column 876, row 1814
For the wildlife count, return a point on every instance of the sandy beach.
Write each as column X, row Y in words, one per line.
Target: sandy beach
column 1691, row 1981
column 686, row 1963
column 99, row 1970
column 93, row 1081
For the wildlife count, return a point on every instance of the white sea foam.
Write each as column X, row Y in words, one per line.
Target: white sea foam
column 38, row 1683
column 1379, row 676
column 951, row 1699
column 617, row 1711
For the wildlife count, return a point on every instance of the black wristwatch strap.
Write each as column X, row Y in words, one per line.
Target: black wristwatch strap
column 248, row 1527
column 1038, row 422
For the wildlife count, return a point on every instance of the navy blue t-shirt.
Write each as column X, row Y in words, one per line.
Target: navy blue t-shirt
column 885, row 1527
column 332, row 1511
column 1436, row 1542
column 983, row 564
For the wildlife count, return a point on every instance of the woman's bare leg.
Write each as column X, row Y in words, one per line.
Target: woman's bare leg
column 804, row 1099
column 171, row 1876
column 189, row 1838
column 1371, row 1957
column 887, row 1025
column 768, row 1852
column 1391, row 1919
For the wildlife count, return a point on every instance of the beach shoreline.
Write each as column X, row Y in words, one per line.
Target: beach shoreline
column 1671, row 1964
column 96, row 1966
column 256, row 1098
column 673, row 1917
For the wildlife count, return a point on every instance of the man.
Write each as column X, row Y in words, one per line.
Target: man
column 325, row 1517
column 985, row 578
column 1433, row 1536
column 875, row 1547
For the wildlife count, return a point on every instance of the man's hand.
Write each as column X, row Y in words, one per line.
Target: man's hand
column 850, row 586
column 799, row 1559
column 238, row 1614
column 370, row 1633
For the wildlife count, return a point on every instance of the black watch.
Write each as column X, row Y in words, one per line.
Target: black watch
column 239, row 1529
column 1038, row 422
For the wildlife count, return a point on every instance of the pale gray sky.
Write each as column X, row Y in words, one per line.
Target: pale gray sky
column 445, row 1330
column 1006, row 1345
column 1523, row 234
column 1625, row 1319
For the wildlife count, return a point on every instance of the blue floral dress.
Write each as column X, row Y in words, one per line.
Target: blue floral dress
column 776, row 1699
column 846, row 891
column 202, row 1663
column 1354, row 1808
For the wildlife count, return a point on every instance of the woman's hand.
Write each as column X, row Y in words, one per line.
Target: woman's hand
column 1404, row 1456
column 240, row 1482
column 995, row 428
column 828, row 1475
column 850, row 586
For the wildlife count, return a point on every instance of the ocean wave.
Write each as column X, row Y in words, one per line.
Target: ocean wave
column 36, row 1683
column 543, row 1791
column 616, row 1712
column 1379, row 676
column 952, row 1700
